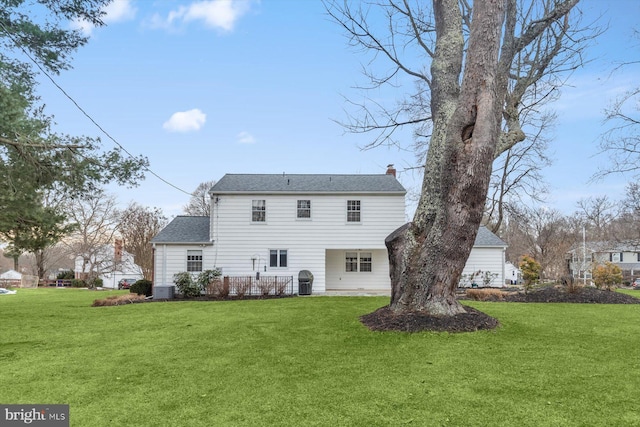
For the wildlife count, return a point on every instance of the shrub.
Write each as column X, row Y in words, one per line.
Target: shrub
column 96, row 283
column 241, row 286
column 118, row 300
column 488, row 277
column 208, row 276
column 66, row 275
column 484, row 294
column 185, row 285
column 608, row 275
column 78, row 283
column 571, row 285
column 142, row 287
column 281, row 286
column 264, row 286
column 218, row 287
column 530, row 271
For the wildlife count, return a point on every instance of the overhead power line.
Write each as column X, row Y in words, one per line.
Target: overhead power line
column 70, row 98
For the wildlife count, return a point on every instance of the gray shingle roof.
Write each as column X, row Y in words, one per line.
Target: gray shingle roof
column 185, row 229
column 487, row 238
column 303, row 183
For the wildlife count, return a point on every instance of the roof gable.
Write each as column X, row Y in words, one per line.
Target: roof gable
column 307, row 183
column 185, row 229
column 486, row 238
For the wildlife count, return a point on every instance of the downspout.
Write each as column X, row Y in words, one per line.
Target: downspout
column 504, row 272
column 153, row 266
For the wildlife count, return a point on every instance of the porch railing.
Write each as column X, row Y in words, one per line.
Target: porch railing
column 262, row 285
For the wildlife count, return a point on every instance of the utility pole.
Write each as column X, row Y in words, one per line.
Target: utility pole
column 584, row 256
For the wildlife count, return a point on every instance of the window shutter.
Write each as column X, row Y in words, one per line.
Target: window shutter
column 621, row 253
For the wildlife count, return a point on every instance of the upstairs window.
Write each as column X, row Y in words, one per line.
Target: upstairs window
column 353, row 210
column 615, row 257
column 194, row 261
column 258, row 210
column 278, row 258
column 304, row 209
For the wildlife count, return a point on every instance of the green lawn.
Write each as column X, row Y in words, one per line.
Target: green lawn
column 308, row 361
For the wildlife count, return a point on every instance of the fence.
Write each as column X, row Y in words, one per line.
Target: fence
column 26, row 281
column 252, row 286
column 60, row 283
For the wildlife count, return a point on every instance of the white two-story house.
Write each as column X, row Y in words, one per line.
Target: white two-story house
column 278, row 225
column 331, row 225
column 583, row 258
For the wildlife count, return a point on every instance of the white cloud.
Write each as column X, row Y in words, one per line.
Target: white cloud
column 116, row 11
column 185, row 121
column 245, row 138
column 80, row 24
column 217, row 14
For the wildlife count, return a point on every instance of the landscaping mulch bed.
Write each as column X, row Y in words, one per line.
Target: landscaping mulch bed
column 384, row 319
column 583, row 296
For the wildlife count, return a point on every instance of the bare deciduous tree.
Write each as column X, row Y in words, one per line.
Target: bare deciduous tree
column 200, row 202
column 626, row 227
column 96, row 218
column 478, row 71
column 544, row 234
column 517, row 177
column 622, row 140
column 137, row 226
column 597, row 214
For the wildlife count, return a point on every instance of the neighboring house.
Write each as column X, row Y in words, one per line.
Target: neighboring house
column 512, row 274
column 582, row 259
column 277, row 225
column 10, row 278
column 486, row 263
column 109, row 263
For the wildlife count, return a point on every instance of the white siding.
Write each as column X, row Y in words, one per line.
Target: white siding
column 237, row 240
column 172, row 259
column 241, row 247
column 486, row 259
column 340, row 279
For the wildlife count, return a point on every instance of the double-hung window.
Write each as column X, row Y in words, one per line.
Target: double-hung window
column 615, row 257
column 278, row 258
column 353, row 210
column 258, row 210
column 358, row 262
column 304, row 209
column 194, row 261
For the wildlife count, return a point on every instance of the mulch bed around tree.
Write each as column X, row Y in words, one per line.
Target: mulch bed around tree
column 384, row 319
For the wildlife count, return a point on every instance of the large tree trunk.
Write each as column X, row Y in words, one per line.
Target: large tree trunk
column 427, row 256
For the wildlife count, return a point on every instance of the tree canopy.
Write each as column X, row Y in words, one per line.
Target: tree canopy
column 35, row 38
column 475, row 75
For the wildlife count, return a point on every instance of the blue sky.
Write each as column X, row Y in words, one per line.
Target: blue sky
column 204, row 88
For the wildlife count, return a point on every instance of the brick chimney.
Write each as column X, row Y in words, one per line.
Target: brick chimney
column 117, row 250
column 391, row 170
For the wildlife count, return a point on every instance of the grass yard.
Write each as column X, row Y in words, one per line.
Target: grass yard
column 308, row 361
